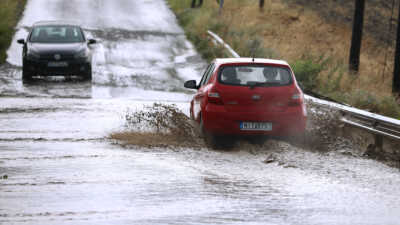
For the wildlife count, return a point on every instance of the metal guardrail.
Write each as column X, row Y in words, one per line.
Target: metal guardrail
column 372, row 126
column 222, row 42
column 380, row 126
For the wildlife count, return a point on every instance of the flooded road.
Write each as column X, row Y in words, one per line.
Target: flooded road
column 58, row 166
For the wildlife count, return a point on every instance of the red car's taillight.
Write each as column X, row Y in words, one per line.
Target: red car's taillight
column 296, row 99
column 215, row 98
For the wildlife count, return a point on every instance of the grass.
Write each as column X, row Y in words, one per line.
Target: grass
column 10, row 12
column 317, row 49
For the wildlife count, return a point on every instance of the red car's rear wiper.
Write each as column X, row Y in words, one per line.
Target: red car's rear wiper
column 253, row 84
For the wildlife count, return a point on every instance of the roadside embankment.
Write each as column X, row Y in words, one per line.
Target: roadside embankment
column 10, row 12
column 325, row 131
column 315, row 46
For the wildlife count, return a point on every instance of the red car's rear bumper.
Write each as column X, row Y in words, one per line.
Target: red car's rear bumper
column 219, row 121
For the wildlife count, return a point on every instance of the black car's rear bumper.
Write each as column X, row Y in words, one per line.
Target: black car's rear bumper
column 64, row 67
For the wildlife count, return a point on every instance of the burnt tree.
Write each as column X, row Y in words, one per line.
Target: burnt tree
column 194, row 5
column 221, row 5
column 356, row 40
column 396, row 73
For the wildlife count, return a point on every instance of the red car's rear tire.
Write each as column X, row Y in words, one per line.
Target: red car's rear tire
column 210, row 139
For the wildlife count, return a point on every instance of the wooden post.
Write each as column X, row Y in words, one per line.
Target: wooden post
column 396, row 73
column 356, row 40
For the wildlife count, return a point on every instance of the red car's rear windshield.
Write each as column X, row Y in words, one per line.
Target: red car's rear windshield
column 255, row 75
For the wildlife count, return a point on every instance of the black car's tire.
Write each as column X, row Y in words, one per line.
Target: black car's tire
column 26, row 76
column 88, row 74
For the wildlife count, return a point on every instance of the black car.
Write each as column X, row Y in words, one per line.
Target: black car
column 55, row 48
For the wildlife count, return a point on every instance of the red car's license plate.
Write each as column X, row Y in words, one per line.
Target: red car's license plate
column 258, row 126
column 57, row 64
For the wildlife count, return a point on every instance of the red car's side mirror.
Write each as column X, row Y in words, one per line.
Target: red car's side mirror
column 191, row 84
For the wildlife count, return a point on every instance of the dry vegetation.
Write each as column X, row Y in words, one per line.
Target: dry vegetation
column 10, row 11
column 313, row 36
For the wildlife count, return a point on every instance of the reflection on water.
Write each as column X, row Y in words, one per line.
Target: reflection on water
column 11, row 85
column 60, row 87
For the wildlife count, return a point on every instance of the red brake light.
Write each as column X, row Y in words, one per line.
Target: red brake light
column 296, row 99
column 215, row 98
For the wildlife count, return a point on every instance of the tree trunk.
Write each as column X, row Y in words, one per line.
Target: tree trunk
column 396, row 74
column 221, row 5
column 193, row 5
column 356, row 40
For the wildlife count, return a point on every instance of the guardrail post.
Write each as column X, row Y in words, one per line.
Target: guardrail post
column 378, row 138
column 378, row 142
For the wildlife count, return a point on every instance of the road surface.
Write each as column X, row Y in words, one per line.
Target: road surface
column 58, row 166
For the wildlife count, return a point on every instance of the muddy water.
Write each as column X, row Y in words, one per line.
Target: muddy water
column 57, row 165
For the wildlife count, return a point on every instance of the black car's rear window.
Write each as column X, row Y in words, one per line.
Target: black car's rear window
column 56, row 34
column 255, row 75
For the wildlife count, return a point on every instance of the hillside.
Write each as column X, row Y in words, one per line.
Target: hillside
column 10, row 11
column 378, row 15
column 313, row 36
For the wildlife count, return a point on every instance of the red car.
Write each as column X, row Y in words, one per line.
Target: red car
column 245, row 96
